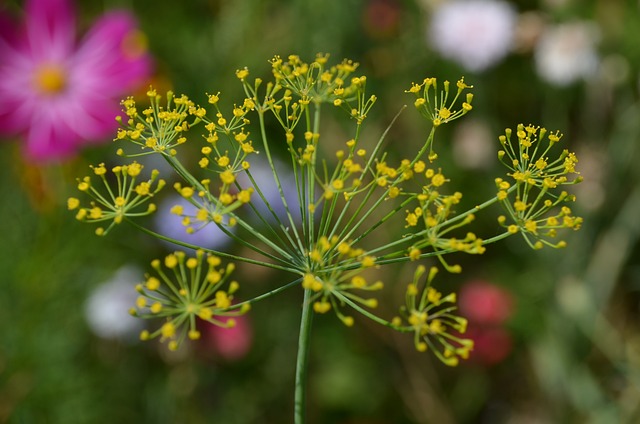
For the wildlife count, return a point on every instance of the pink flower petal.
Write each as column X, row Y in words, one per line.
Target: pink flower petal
column 50, row 28
column 230, row 343
column 17, row 99
column 112, row 58
column 9, row 33
column 483, row 302
column 50, row 137
column 491, row 345
column 90, row 115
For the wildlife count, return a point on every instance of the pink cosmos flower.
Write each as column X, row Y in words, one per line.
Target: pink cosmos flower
column 487, row 307
column 229, row 343
column 485, row 303
column 59, row 94
column 491, row 345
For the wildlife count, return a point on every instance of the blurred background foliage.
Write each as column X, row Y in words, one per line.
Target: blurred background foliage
column 566, row 351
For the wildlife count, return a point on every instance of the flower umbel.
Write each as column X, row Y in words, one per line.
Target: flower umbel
column 532, row 199
column 431, row 318
column 438, row 105
column 118, row 203
column 183, row 290
column 335, row 273
column 157, row 128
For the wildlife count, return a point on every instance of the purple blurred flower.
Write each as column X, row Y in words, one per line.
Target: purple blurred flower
column 59, row 94
column 265, row 181
column 168, row 224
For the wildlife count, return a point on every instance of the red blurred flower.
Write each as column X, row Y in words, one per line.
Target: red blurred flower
column 229, row 343
column 485, row 303
column 491, row 345
column 381, row 18
column 59, row 94
column 487, row 307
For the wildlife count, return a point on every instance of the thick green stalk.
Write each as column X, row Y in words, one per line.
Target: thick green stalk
column 302, row 359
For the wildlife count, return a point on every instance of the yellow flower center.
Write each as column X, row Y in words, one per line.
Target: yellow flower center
column 50, row 79
column 444, row 113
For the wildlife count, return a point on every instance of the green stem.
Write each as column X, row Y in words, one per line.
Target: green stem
column 267, row 294
column 265, row 144
column 302, row 359
column 213, row 251
column 368, row 314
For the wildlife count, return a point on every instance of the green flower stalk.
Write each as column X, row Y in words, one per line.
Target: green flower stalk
column 332, row 235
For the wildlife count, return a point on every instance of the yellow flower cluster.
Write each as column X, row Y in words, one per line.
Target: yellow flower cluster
column 431, row 318
column 123, row 200
column 434, row 219
column 231, row 125
column 157, row 128
column 315, row 82
column 334, row 272
column 438, row 105
column 184, row 290
column 209, row 208
column 531, row 197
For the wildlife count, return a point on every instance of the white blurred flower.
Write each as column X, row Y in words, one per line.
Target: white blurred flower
column 170, row 225
column 567, row 53
column 107, row 308
column 473, row 145
column 475, row 33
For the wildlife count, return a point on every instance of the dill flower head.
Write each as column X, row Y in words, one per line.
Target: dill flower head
column 474, row 33
column 335, row 277
column 159, row 127
column 431, row 318
column 531, row 196
column 113, row 206
column 328, row 218
column 184, row 290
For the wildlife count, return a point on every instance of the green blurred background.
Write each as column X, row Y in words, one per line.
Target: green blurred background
column 573, row 354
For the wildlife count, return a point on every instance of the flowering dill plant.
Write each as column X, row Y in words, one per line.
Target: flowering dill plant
column 330, row 235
